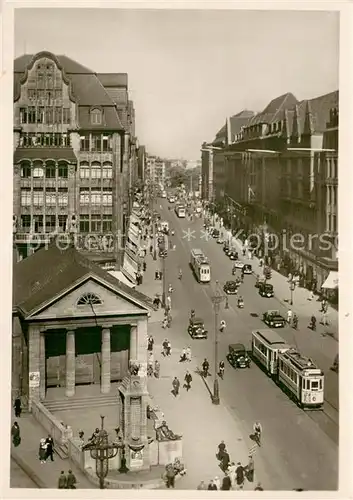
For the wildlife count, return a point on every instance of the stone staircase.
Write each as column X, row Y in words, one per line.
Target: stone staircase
column 80, row 403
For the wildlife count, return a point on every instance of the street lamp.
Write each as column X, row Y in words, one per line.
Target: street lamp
column 101, row 451
column 164, row 278
column 217, row 299
column 291, row 288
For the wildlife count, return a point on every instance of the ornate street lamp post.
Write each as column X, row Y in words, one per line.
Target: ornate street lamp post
column 101, row 451
column 292, row 288
column 217, row 299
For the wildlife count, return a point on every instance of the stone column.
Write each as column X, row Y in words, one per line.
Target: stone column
column 133, row 343
column 105, row 373
column 42, row 367
column 70, row 363
column 33, row 364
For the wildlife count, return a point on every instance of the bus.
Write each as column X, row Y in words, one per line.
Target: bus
column 200, row 265
column 180, row 211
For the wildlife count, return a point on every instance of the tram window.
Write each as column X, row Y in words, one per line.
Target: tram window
column 303, row 383
column 314, row 384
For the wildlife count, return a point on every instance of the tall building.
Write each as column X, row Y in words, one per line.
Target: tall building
column 156, row 170
column 73, row 138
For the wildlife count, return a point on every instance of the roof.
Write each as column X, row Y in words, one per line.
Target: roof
column 320, row 109
column 270, row 336
column 113, row 79
column 275, row 110
column 66, row 154
column 50, row 271
column 237, row 347
column 86, row 88
column 237, row 121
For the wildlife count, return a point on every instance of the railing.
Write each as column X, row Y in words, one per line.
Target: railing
column 96, row 156
column 51, row 424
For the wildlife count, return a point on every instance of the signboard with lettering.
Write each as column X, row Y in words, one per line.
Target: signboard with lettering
column 34, row 379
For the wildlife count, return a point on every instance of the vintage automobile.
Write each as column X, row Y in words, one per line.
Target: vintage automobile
column 266, row 290
column 162, row 253
column 238, row 264
column 215, row 233
column 231, row 287
column 273, row 319
column 247, row 269
column 220, row 240
column 237, row 356
column 225, row 246
column 196, row 328
column 259, row 281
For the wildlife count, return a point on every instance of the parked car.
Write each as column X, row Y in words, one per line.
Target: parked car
column 238, row 264
column 220, row 240
column 273, row 319
column 196, row 329
column 231, row 287
column 237, row 356
column 225, row 246
column 215, row 233
column 247, row 269
column 259, row 281
column 266, row 290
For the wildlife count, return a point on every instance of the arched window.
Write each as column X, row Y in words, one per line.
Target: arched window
column 96, row 170
column 38, row 170
column 50, row 169
column 89, row 299
column 84, row 170
column 62, row 170
column 25, row 169
column 96, row 116
column 107, row 172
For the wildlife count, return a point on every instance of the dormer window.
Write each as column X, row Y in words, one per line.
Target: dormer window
column 96, row 117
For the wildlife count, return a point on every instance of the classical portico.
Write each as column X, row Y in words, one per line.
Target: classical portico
column 88, row 330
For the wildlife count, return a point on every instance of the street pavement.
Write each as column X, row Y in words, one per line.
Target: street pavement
column 18, row 478
column 48, row 473
column 299, row 448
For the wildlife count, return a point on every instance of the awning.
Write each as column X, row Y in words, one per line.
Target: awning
column 134, row 219
column 130, row 267
column 331, row 281
column 133, row 234
column 121, row 277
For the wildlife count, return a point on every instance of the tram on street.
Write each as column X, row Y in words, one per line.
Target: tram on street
column 301, row 379
column 200, row 265
column 180, row 211
column 297, row 375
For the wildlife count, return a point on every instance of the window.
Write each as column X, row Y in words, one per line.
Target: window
column 96, row 117
column 32, row 94
column 50, row 197
column 26, row 197
column 63, row 199
column 62, row 170
column 107, row 223
column 57, row 115
column 84, row 223
column 65, row 140
column 107, row 172
column 84, row 142
column 107, row 197
column 107, row 143
column 84, row 170
column 26, row 222
column 96, row 223
column 38, row 223
column 50, row 223
column 84, row 196
column 96, row 197
column 40, row 115
column 25, row 170
column 58, row 94
column 31, row 114
column 50, row 170
column 23, row 115
column 62, row 220
column 40, row 79
column 96, row 171
column 66, row 115
column 38, row 197
column 96, row 142
column 89, row 299
column 38, row 172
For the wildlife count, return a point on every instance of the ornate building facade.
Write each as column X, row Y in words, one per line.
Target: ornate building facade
column 74, row 149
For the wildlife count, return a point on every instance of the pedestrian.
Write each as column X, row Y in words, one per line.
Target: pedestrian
column 18, row 407
column 50, row 447
column 150, row 343
column 16, row 434
column 226, row 482
column 42, row 451
column 250, row 469
column 165, row 347
column 157, row 368
column 211, row 485
column 202, row 486
column 188, row 354
column 231, row 472
column 221, row 450
column 289, row 316
column 62, row 481
column 169, row 302
column 71, row 481
column 170, row 476
column 176, row 386
column 188, row 380
column 225, row 461
column 182, row 356
column 239, row 476
column 324, row 320
column 259, row 487
column 169, row 348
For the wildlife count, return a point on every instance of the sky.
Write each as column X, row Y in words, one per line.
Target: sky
column 189, row 70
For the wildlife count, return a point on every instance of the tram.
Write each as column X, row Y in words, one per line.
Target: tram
column 200, row 265
column 297, row 375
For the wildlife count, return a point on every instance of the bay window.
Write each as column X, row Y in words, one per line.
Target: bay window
column 63, row 197
column 26, row 197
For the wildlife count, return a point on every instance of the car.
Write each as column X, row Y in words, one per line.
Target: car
column 238, row 264
column 247, row 269
column 225, row 246
column 237, row 356
column 171, row 199
column 273, row 319
column 259, row 282
column 162, row 253
column 215, row 233
column 233, row 255
column 266, row 290
column 196, row 329
column 220, row 240
column 231, row 287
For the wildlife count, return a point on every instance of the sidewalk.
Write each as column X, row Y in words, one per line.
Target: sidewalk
column 26, row 455
column 303, row 305
column 191, row 414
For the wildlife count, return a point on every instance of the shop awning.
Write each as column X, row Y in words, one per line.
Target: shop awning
column 121, row 277
column 133, row 237
column 130, row 267
column 331, row 281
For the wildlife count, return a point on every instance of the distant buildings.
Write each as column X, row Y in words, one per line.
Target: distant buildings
column 156, row 170
column 76, row 156
column 277, row 170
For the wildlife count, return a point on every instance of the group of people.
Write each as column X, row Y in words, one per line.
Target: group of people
column 67, row 481
column 46, row 449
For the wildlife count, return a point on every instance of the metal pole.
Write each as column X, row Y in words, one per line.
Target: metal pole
column 164, row 294
column 215, row 399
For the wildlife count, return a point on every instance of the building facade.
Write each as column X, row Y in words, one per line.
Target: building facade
column 72, row 155
column 156, row 170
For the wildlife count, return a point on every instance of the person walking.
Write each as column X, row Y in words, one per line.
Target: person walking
column 62, row 481
column 226, row 482
column 202, row 486
column 211, row 485
column 42, row 451
column 289, row 316
column 188, row 380
column 176, row 386
column 225, row 460
column 157, row 368
column 250, row 469
column 50, row 447
column 16, row 434
column 188, row 354
column 150, row 343
column 239, row 476
column 221, row 450
column 71, row 481
column 18, row 407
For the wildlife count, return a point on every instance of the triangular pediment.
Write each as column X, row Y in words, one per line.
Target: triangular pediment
column 91, row 298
